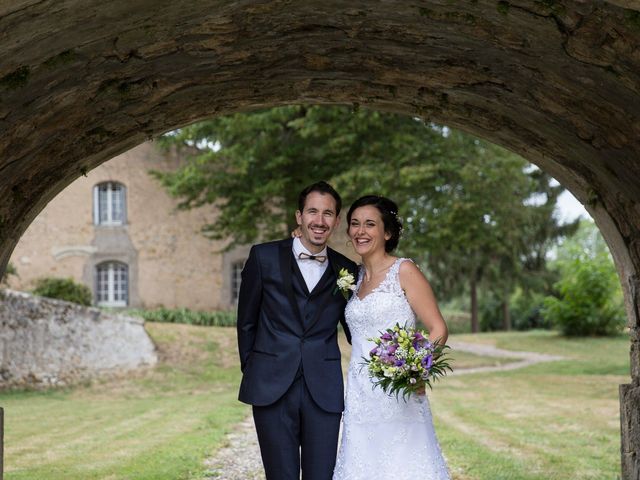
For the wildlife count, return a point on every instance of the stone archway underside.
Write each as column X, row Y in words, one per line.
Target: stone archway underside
column 556, row 81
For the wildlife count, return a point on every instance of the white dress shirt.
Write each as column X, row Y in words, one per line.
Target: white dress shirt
column 312, row 270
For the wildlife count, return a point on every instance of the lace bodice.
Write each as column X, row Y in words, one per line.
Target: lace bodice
column 382, row 308
column 381, row 432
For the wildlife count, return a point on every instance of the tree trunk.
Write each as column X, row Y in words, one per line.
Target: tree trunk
column 506, row 316
column 474, row 305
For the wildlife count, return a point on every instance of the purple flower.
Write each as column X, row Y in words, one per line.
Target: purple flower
column 392, row 349
column 418, row 336
column 374, row 351
column 400, row 363
column 427, row 361
column 387, row 359
column 386, row 336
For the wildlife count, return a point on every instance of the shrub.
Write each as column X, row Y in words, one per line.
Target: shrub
column 589, row 300
column 9, row 271
column 526, row 311
column 63, row 289
column 221, row 318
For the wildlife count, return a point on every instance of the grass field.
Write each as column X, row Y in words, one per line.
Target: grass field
column 551, row 421
column 157, row 425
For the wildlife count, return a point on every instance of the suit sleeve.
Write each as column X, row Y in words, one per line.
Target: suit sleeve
column 249, row 301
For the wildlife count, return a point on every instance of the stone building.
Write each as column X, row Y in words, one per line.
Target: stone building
column 118, row 232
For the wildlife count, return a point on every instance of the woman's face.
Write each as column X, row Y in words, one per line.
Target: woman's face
column 366, row 230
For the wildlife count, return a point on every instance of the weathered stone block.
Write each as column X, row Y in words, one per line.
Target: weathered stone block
column 630, row 429
column 45, row 342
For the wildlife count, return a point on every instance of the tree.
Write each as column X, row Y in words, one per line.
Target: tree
column 464, row 201
column 589, row 298
column 252, row 166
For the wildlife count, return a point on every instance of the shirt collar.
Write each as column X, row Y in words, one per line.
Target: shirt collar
column 299, row 248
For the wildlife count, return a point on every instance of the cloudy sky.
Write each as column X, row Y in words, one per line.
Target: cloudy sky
column 570, row 208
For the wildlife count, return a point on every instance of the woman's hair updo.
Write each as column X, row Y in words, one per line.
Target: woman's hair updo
column 389, row 213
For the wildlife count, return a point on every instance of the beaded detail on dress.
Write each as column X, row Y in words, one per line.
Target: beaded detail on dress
column 383, row 435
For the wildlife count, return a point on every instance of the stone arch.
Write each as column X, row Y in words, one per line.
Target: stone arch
column 556, row 81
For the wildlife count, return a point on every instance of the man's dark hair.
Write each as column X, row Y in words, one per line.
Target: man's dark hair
column 322, row 187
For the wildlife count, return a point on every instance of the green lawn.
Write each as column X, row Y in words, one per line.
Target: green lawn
column 158, row 425
column 551, row 421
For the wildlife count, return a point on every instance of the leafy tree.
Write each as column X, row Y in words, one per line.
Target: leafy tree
column 589, row 297
column 464, row 201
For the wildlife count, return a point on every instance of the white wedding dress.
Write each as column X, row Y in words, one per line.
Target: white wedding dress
column 383, row 437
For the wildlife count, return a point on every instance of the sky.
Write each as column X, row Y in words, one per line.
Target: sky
column 570, row 208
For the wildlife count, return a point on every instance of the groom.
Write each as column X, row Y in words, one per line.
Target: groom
column 288, row 312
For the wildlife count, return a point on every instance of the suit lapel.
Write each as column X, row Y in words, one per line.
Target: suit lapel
column 286, row 270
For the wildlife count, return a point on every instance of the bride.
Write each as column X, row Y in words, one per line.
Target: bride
column 383, row 436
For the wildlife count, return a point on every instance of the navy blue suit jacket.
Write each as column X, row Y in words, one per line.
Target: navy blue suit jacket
column 283, row 329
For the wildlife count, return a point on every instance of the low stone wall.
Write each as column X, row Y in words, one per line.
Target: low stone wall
column 45, row 342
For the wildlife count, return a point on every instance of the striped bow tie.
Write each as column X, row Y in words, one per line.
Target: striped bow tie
column 317, row 258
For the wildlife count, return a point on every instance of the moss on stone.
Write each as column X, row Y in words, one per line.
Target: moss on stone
column 62, row 58
column 16, row 79
column 633, row 19
column 503, row 7
column 555, row 7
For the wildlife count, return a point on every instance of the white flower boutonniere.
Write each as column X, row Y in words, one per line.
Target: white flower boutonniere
column 345, row 283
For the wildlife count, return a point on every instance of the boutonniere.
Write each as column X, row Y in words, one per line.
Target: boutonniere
column 346, row 283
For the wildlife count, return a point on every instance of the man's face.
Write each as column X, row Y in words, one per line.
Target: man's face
column 317, row 220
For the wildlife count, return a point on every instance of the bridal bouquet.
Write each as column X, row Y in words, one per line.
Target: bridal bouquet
column 404, row 360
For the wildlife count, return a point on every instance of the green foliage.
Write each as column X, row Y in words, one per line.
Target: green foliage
column 589, row 297
column 526, row 310
column 9, row 271
column 184, row 315
column 465, row 202
column 63, row 289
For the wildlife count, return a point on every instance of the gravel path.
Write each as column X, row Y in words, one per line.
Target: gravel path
column 526, row 358
column 240, row 458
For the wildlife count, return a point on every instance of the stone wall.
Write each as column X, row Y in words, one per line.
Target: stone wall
column 45, row 342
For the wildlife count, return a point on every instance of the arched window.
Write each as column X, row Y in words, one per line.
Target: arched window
column 112, row 284
column 109, row 204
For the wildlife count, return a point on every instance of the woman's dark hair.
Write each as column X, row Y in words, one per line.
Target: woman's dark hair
column 389, row 213
column 322, row 187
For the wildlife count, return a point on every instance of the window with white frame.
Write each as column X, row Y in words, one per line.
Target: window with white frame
column 112, row 284
column 109, row 204
column 236, row 278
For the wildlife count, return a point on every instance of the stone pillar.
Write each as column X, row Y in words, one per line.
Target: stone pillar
column 1, row 443
column 630, row 393
column 630, row 426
